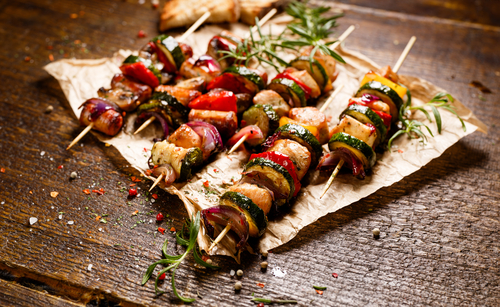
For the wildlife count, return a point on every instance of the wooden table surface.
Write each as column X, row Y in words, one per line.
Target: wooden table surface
column 440, row 238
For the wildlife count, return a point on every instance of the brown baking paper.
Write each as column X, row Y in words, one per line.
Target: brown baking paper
column 80, row 80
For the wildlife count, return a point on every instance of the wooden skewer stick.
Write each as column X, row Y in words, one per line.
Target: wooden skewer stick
column 194, row 26
column 145, row 124
column 396, row 68
column 332, row 177
column 330, row 99
column 403, row 55
column 157, row 181
column 189, row 31
column 343, row 37
column 262, row 21
column 220, row 236
column 81, row 135
column 235, row 146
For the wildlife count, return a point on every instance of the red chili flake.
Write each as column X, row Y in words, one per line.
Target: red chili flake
column 124, row 113
column 159, row 217
column 97, row 217
column 148, row 172
column 216, row 170
column 206, row 184
column 51, row 57
column 77, row 42
column 156, row 166
column 329, row 118
column 155, row 196
column 135, row 212
column 27, row 59
column 100, row 191
column 162, row 230
column 204, row 258
column 86, row 191
column 60, row 167
column 261, row 284
column 145, row 149
column 65, row 55
column 260, row 305
column 162, row 276
column 155, row 5
column 73, row 16
column 335, row 275
column 141, row 34
column 230, row 159
column 2, row 170
column 135, row 179
column 400, row 151
column 319, row 292
column 132, row 192
column 82, row 13
column 49, row 47
column 132, row 185
column 172, row 229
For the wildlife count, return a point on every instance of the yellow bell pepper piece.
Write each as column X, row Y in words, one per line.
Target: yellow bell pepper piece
column 371, row 76
column 286, row 120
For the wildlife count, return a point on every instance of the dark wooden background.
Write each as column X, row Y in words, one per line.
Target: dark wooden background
column 439, row 242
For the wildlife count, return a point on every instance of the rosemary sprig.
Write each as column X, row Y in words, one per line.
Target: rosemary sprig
column 413, row 128
column 174, row 261
column 272, row 301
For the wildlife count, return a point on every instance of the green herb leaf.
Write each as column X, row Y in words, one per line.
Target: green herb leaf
column 319, row 287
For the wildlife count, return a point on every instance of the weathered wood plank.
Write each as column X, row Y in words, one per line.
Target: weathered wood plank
column 439, row 243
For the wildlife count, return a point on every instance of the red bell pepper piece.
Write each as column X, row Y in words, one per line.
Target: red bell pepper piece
column 229, row 82
column 386, row 118
column 216, row 101
column 167, row 65
column 287, row 75
column 284, row 161
column 140, row 72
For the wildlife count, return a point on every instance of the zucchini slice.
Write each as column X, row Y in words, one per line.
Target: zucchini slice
column 192, row 159
column 167, row 105
column 257, row 220
column 387, row 94
column 182, row 160
column 304, row 137
column 362, row 150
column 290, row 91
column 251, row 79
column 274, row 172
column 262, row 116
column 367, row 116
column 170, row 47
column 318, row 72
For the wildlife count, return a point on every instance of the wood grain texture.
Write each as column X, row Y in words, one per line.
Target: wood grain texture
column 439, row 242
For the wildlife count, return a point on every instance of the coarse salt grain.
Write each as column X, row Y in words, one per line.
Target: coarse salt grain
column 70, row 222
column 89, row 268
column 33, row 220
column 42, row 153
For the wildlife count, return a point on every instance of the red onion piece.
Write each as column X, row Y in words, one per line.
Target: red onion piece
column 271, row 139
column 159, row 117
column 224, row 215
column 208, row 62
column 167, row 170
column 211, row 139
column 251, row 131
column 101, row 106
column 329, row 162
column 367, row 98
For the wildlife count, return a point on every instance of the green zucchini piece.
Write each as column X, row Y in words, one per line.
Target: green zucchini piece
column 387, row 94
column 167, row 105
column 192, row 159
column 367, row 116
column 318, row 72
column 276, row 174
column 257, row 220
column 290, row 91
column 250, row 78
column 262, row 116
column 131, row 59
column 304, row 137
column 170, row 47
column 362, row 150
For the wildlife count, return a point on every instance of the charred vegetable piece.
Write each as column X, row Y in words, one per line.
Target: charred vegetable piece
column 211, row 141
column 273, row 99
column 184, row 96
column 244, row 101
column 318, row 72
column 171, row 49
column 367, row 116
column 218, row 217
column 166, row 106
column 206, row 68
column 225, row 122
column 218, row 100
column 239, row 79
column 125, row 93
column 222, row 43
column 290, row 91
column 257, row 220
column 359, row 148
column 193, row 84
column 385, row 93
column 183, row 160
column 262, row 116
column 104, row 114
column 302, row 136
column 142, row 70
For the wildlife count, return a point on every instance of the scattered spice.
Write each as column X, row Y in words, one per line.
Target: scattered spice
column 73, row 16
column 376, row 232
column 135, row 179
column 141, row 34
column 335, row 275
column 261, row 284
column 172, row 229
column 27, row 59
column 400, row 151
column 132, row 185
column 132, row 192
column 155, row 196
column 54, row 194
column 86, row 191
column 480, row 86
column 260, row 305
column 49, row 109
column 263, row 265
column 319, row 288
column 159, row 217
column 239, row 273
column 73, row 175
column 60, row 167
column 264, row 254
column 238, row 286
column 97, row 218
column 319, row 292
column 2, row 170
column 162, row 230
column 51, row 57
column 216, row 170
column 149, row 172
column 135, row 212
column 100, row 191
column 206, row 184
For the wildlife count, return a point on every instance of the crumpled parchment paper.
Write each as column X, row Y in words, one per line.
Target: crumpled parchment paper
column 80, row 80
